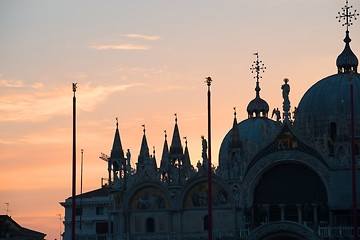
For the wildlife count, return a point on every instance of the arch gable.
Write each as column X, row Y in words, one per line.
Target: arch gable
column 150, row 196
column 194, row 194
column 254, row 174
column 285, row 141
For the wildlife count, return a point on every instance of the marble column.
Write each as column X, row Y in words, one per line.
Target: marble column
column 299, row 209
column 282, row 211
column 267, row 208
column 315, row 207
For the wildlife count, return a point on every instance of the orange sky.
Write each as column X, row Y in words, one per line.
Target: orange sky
column 140, row 61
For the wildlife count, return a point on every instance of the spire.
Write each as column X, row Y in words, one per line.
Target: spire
column 257, row 106
column 235, row 141
column 144, row 155
column 176, row 147
column 117, row 150
column 153, row 163
column 347, row 60
column 165, row 155
column 186, row 161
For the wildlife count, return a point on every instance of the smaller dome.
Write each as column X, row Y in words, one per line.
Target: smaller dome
column 259, row 107
column 347, row 60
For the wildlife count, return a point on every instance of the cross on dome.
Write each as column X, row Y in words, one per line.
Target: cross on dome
column 347, row 15
column 257, row 67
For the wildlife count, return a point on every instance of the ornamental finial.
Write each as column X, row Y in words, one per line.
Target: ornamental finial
column 257, row 67
column 74, row 87
column 175, row 114
column 347, row 15
column 117, row 123
column 208, row 82
column 144, row 128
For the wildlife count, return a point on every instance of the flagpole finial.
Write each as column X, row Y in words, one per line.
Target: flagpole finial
column 208, row 81
column 74, row 87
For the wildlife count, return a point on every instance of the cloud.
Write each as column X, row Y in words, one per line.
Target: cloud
column 18, row 83
column 11, row 83
column 121, row 47
column 151, row 38
column 41, row 105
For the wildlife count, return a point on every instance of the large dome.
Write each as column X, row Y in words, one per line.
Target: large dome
column 253, row 131
column 326, row 105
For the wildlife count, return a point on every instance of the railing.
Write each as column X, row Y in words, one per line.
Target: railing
column 325, row 232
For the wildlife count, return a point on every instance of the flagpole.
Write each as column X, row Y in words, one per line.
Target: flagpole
column 73, row 213
column 353, row 169
column 208, row 82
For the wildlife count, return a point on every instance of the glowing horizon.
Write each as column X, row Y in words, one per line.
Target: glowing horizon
column 141, row 62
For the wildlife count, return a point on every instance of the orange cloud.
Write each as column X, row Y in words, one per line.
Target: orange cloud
column 152, row 38
column 121, row 47
column 45, row 104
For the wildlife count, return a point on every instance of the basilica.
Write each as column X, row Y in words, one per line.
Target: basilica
column 284, row 176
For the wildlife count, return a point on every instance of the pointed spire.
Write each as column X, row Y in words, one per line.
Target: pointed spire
column 144, row 155
column 153, row 163
column 235, row 141
column 165, row 155
column 347, row 60
column 117, row 150
column 176, row 147
column 186, row 161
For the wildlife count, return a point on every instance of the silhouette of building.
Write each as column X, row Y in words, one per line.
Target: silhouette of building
column 10, row 230
column 288, row 178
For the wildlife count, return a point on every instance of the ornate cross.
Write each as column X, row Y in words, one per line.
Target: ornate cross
column 347, row 15
column 257, row 67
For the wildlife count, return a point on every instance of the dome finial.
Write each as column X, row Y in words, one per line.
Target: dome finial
column 347, row 61
column 257, row 107
column 347, row 15
column 257, row 67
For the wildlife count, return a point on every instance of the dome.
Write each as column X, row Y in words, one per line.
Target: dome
column 326, row 105
column 252, row 131
column 258, row 106
column 347, row 60
column 323, row 105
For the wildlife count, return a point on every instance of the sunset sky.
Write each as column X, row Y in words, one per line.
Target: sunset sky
column 141, row 61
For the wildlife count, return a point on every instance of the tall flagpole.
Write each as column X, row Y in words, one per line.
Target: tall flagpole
column 208, row 82
column 353, row 156
column 73, row 213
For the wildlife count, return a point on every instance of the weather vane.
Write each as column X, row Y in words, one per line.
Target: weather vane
column 347, row 15
column 257, row 67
